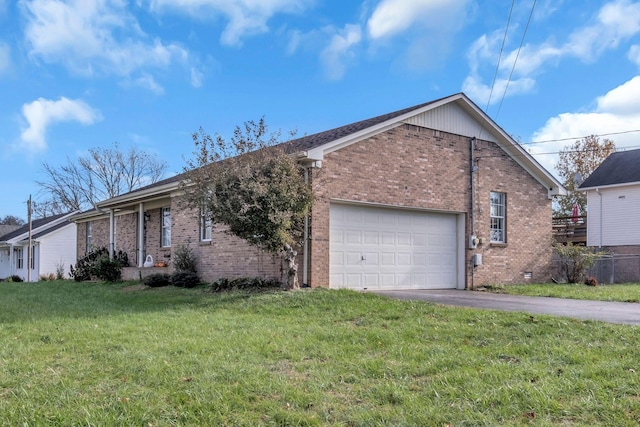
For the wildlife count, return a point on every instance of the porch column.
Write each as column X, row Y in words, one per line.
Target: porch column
column 11, row 261
column 140, row 235
column 111, row 234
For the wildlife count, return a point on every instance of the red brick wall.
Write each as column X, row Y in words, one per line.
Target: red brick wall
column 409, row 166
column 406, row 166
column 225, row 256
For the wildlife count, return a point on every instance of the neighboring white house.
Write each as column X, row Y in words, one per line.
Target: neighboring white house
column 613, row 202
column 54, row 246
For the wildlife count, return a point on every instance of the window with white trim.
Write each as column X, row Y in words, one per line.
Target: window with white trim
column 205, row 227
column 498, row 232
column 166, row 228
column 19, row 253
column 89, row 232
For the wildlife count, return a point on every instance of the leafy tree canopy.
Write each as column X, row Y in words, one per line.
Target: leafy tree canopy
column 576, row 163
column 249, row 184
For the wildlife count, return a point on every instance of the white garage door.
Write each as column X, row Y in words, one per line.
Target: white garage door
column 384, row 248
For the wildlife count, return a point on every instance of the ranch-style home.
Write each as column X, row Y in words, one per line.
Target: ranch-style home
column 53, row 248
column 428, row 197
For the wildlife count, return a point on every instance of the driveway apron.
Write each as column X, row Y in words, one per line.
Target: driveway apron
column 612, row 312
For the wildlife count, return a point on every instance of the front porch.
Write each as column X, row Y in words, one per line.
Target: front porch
column 139, row 273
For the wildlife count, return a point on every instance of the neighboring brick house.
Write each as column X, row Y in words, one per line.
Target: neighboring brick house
column 392, row 209
column 613, row 203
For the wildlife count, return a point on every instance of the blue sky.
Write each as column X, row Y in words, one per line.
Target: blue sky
column 77, row 74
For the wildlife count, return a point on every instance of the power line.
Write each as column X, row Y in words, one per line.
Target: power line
column 579, row 137
column 528, row 154
column 515, row 61
column 504, row 38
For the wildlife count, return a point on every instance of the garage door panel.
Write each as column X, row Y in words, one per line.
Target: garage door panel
column 388, row 259
column 353, row 258
column 388, row 238
column 404, row 259
column 403, row 239
column 385, row 248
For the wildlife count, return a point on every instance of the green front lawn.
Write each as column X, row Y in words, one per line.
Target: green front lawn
column 101, row 355
column 621, row 293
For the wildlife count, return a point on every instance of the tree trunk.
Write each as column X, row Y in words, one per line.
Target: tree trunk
column 292, row 268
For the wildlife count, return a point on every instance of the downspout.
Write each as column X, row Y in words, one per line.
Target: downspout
column 305, row 244
column 472, row 213
column 600, row 216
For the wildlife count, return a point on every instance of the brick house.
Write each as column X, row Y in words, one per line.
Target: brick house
column 393, row 209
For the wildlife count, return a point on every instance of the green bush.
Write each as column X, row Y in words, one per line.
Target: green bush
column 15, row 278
column 185, row 279
column 576, row 260
column 107, row 269
column 245, row 283
column 185, row 260
column 96, row 264
column 157, row 280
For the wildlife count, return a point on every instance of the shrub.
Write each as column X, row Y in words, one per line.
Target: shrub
column 575, row 260
column 15, row 278
column 157, row 280
column 185, row 279
column 97, row 264
column 185, row 260
column 245, row 283
column 60, row 270
column 107, row 269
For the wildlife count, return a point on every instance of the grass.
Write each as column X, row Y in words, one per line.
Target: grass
column 91, row 354
column 621, row 293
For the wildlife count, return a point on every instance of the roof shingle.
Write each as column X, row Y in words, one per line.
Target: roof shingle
column 621, row 167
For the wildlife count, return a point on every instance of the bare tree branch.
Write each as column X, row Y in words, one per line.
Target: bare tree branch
column 102, row 174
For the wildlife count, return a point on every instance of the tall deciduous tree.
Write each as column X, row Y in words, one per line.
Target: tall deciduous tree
column 577, row 162
column 250, row 185
column 101, row 174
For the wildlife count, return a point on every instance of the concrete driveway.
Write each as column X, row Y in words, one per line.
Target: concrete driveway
column 612, row 312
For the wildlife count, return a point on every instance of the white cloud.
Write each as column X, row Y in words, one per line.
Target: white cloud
column 42, row 113
column 245, row 17
column 615, row 22
column 196, row 77
column 616, row 111
column 147, row 81
column 634, row 54
column 391, row 17
column 480, row 92
column 338, row 52
column 5, row 57
column 89, row 37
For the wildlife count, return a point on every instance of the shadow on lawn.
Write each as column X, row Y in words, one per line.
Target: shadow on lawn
column 69, row 299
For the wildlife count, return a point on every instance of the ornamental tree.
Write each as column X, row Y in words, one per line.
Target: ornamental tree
column 251, row 185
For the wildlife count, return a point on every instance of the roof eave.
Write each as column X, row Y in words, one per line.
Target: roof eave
column 139, row 195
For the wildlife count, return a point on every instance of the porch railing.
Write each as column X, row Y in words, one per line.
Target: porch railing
column 570, row 229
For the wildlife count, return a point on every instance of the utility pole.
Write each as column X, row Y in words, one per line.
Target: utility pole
column 29, row 250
